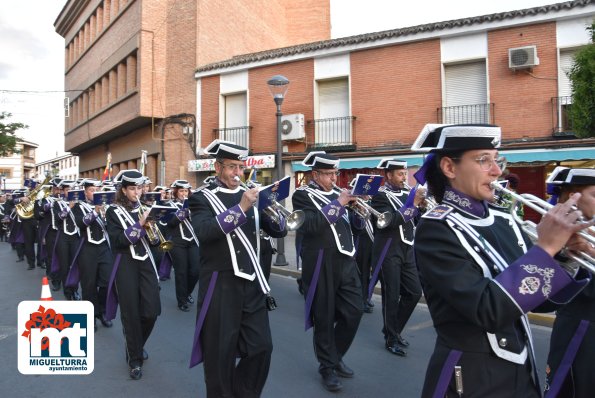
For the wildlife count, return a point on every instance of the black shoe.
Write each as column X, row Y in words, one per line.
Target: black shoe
column 343, row 370
column 136, row 373
column 42, row 266
column 190, row 300
column 31, row 267
column 368, row 309
column 76, row 296
column 330, row 381
column 104, row 321
column 300, row 286
column 184, row 307
column 395, row 349
column 401, row 341
column 20, row 260
column 145, row 355
column 370, row 303
column 55, row 286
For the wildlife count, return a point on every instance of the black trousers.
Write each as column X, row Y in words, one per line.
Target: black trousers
column 401, row 290
column 237, row 323
column 65, row 250
column 138, row 295
column 29, row 227
column 363, row 258
column 50, row 241
column 95, row 267
column 185, row 262
column 337, row 308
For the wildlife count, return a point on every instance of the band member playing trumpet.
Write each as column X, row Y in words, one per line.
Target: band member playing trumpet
column 334, row 302
column 134, row 283
column 569, row 371
column 233, row 291
column 185, row 252
column 95, row 257
column 480, row 274
column 392, row 255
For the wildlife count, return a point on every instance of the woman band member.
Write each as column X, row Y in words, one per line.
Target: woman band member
column 134, row 277
column 479, row 271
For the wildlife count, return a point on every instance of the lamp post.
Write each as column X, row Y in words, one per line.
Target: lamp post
column 278, row 86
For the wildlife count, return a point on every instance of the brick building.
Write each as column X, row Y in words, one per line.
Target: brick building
column 129, row 68
column 368, row 96
column 17, row 167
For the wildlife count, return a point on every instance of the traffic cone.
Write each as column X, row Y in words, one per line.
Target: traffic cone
column 46, row 294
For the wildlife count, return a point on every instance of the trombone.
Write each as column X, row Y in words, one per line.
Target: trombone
column 153, row 232
column 276, row 210
column 364, row 210
column 530, row 228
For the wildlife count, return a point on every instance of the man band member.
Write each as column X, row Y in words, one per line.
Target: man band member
column 479, row 271
column 572, row 346
column 68, row 239
column 45, row 210
column 3, row 218
column 233, row 318
column 185, row 250
column 392, row 255
column 334, row 302
column 28, row 229
column 95, row 257
column 134, row 275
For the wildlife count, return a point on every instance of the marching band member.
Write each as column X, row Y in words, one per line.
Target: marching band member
column 45, row 210
column 4, row 220
column 134, row 283
column 94, row 256
column 185, row 253
column 572, row 346
column 23, row 231
column 67, row 240
column 480, row 274
column 233, row 291
column 392, row 256
column 329, row 273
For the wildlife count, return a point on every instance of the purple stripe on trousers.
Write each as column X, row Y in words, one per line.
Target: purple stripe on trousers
column 55, row 267
column 41, row 236
column 74, row 275
column 377, row 268
column 447, row 370
column 111, row 305
column 567, row 359
column 165, row 265
column 312, row 291
column 196, row 356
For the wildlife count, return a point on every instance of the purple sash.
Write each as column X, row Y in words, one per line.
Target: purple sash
column 74, row 275
column 377, row 268
column 55, row 267
column 312, row 291
column 111, row 305
column 447, row 370
column 196, row 355
column 567, row 359
column 165, row 266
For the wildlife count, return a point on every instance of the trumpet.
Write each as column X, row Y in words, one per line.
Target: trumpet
column 530, row 228
column 429, row 200
column 364, row 210
column 294, row 219
column 153, row 232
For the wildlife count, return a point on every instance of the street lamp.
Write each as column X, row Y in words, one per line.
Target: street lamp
column 278, row 86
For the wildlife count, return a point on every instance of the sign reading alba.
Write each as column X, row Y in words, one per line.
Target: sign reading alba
column 256, row 162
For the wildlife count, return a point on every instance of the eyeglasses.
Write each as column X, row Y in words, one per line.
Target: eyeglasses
column 240, row 167
column 486, row 162
column 329, row 173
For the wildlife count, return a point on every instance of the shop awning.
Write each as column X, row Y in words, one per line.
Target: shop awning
column 512, row 156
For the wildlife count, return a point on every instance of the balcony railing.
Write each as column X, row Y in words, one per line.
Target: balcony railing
column 238, row 135
column 466, row 114
column 336, row 133
column 561, row 122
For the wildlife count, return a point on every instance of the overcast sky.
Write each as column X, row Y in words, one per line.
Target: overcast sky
column 33, row 53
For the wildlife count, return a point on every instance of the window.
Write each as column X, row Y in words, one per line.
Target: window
column 235, row 125
column 334, row 124
column 465, row 93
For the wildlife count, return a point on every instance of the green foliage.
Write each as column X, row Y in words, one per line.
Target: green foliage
column 582, row 76
column 8, row 137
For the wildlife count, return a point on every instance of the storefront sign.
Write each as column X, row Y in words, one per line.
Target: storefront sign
column 256, row 162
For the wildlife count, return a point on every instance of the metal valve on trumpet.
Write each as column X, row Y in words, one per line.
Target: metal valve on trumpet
column 364, row 210
column 153, row 232
column 276, row 210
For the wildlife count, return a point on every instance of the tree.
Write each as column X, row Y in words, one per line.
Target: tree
column 582, row 76
column 8, row 139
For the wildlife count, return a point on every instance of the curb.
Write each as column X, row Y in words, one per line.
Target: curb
column 535, row 319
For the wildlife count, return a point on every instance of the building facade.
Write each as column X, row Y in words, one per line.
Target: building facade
column 16, row 168
column 129, row 70
column 64, row 166
column 368, row 96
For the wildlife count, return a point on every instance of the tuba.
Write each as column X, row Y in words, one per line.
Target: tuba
column 25, row 211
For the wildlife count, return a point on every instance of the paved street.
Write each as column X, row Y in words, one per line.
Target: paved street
column 293, row 369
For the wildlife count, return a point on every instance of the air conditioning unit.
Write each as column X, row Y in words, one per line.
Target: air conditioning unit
column 292, row 127
column 522, row 57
